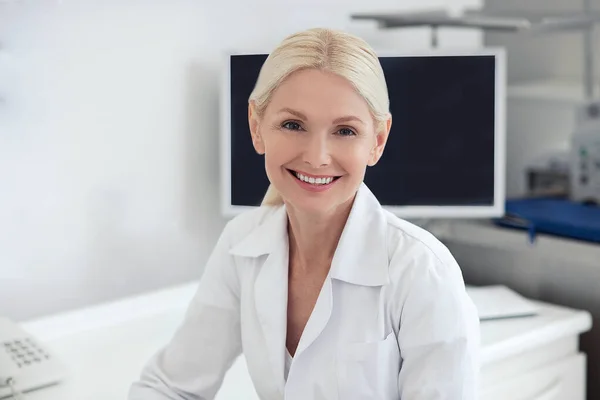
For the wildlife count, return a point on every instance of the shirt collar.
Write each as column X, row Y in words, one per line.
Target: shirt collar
column 361, row 256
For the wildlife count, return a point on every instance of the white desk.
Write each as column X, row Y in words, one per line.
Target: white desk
column 105, row 348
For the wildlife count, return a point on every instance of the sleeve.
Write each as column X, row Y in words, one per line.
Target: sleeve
column 439, row 336
column 193, row 364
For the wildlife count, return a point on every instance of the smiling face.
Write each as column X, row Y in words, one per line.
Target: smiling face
column 318, row 136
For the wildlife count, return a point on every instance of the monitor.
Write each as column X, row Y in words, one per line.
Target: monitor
column 445, row 155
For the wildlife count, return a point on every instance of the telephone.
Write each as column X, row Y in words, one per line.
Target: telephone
column 24, row 364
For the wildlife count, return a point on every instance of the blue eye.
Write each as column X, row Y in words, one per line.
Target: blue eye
column 346, row 132
column 291, row 125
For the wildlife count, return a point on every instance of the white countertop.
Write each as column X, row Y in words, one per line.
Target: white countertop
column 106, row 346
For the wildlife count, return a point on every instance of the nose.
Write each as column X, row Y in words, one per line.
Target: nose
column 316, row 152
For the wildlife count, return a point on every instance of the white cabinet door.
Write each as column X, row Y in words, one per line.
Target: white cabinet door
column 561, row 380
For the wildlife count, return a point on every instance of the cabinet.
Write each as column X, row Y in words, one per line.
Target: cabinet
column 535, row 358
column 564, row 379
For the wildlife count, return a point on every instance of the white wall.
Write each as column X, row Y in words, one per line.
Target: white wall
column 108, row 136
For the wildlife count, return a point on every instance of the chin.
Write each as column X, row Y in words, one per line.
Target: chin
column 317, row 204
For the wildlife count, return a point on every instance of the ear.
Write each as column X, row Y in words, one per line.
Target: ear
column 380, row 141
column 254, row 123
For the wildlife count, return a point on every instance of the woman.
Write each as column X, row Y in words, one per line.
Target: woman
column 327, row 295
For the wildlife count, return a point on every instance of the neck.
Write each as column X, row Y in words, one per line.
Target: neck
column 314, row 238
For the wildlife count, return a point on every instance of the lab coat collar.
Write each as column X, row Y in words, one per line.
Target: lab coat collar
column 268, row 236
column 361, row 257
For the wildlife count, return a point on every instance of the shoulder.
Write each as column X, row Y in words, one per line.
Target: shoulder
column 409, row 241
column 418, row 259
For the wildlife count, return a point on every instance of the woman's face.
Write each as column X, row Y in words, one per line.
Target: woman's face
column 318, row 136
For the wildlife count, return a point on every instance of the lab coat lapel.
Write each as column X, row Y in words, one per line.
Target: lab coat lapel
column 270, row 287
column 318, row 318
column 270, row 291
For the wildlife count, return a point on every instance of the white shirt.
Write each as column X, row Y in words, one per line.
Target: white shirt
column 392, row 320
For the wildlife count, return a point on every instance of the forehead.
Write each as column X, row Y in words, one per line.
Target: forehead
column 319, row 92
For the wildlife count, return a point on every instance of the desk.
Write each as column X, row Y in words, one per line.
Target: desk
column 106, row 346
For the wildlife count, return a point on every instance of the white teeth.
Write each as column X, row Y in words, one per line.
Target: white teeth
column 314, row 181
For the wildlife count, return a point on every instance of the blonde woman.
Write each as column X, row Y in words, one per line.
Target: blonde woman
column 327, row 295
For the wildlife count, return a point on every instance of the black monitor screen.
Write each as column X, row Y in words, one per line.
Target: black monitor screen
column 440, row 151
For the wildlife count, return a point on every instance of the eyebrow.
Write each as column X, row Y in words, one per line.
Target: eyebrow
column 340, row 120
column 348, row 118
column 293, row 112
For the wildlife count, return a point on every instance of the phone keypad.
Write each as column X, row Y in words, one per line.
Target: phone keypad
column 25, row 352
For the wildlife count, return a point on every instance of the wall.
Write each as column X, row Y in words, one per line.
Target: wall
column 109, row 134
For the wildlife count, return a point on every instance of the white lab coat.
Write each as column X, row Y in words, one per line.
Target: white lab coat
column 392, row 320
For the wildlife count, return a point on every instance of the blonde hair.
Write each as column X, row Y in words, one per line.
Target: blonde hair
column 329, row 50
